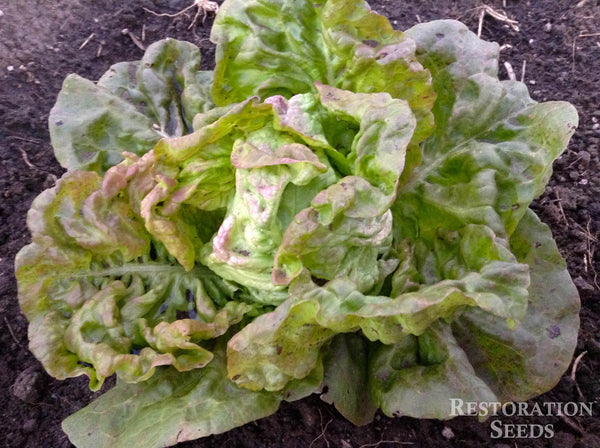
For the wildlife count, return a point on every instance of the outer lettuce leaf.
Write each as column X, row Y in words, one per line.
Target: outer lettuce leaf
column 500, row 162
column 492, row 144
column 477, row 358
column 452, row 54
column 418, row 376
column 172, row 407
column 282, row 47
column 346, row 378
column 530, row 360
column 102, row 297
column 90, row 127
column 130, row 108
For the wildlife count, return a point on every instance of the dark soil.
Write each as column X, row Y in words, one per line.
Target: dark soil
column 41, row 42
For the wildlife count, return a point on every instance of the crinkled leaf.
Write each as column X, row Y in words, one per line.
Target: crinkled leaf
column 492, row 151
column 471, row 266
column 172, row 407
column 490, row 176
column 346, row 229
column 265, row 163
column 202, row 159
column 344, row 233
column 385, row 128
column 130, row 108
column 285, row 343
column 282, row 47
column 170, row 80
column 452, row 54
column 102, row 296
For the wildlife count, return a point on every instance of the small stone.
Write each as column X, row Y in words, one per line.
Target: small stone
column 585, row 289
column 548, row 27
column 448, row 433
column 26, row 386
column 346, row 444
column 585, row 157
column 574, row 175
column 1, row 13
column 10, row 68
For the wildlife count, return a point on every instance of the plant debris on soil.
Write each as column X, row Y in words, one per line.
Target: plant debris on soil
column 553, row 46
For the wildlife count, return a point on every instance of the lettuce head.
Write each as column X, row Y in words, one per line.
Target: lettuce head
column 339, row 208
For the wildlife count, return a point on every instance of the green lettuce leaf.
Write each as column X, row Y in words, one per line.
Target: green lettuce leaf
column 172, row 407
column 492, row 144
column 477, row 357
column 130, row 108
column 285, row 343
column 347, row 227
column 345, row 384
column 419, row 376
column 531, row 359
column 283, row 47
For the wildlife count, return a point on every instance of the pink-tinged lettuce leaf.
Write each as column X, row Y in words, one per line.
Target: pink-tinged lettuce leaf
column 346, row 229
column 130, row 108
column 283, row 47
column 385, row 129
column 172, row 407
column 266, row 162
column 202, row 159
column 102, row 296
column 479, row 358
